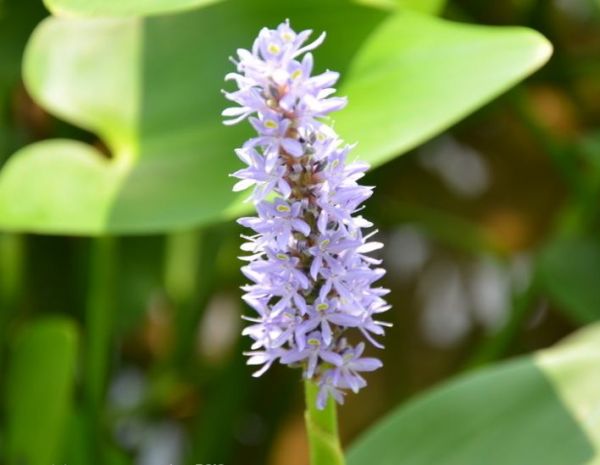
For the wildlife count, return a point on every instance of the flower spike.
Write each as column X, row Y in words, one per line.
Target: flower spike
column 312, row 281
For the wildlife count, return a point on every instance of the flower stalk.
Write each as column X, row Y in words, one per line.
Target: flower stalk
column 322, row 429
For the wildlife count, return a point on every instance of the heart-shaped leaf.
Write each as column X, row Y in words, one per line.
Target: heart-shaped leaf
column 150, row 89
column 444, row 72
column 121, row 7
column 152, row 7
column 39, row 391
column 539, row 410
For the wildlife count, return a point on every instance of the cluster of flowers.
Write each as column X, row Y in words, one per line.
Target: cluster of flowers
column 311, row 278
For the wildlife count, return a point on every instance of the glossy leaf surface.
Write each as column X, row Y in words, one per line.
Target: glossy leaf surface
column 538, row 410
column 150, row 89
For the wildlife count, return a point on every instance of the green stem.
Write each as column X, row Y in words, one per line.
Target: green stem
column 181, row 279
column 191, row 271
column 100, row 306
column 12, row 247
column 12, row 259
column 322, row 429
column 181, row 265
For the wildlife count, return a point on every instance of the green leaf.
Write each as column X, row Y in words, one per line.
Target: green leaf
column 572, row 369
column 443, row 72
column 121, row 7
column 39, row 388
column 150, row 89
column 432, row 7
column 152, row 7
column 569, row 272
column 538, row 410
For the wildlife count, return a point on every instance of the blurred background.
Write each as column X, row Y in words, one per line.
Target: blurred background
column 492, row 250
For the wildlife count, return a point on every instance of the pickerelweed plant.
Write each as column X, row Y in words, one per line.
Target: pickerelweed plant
column 312, row 282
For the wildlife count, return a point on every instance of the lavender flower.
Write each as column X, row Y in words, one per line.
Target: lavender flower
column 312, row 281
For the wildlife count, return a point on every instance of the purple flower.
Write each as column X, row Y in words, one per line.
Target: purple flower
column 347, row 373
column 325, row 315
column 312, row 280
column 264, row 173
column 278, row 220
column 314, row 351
column 274, row 131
